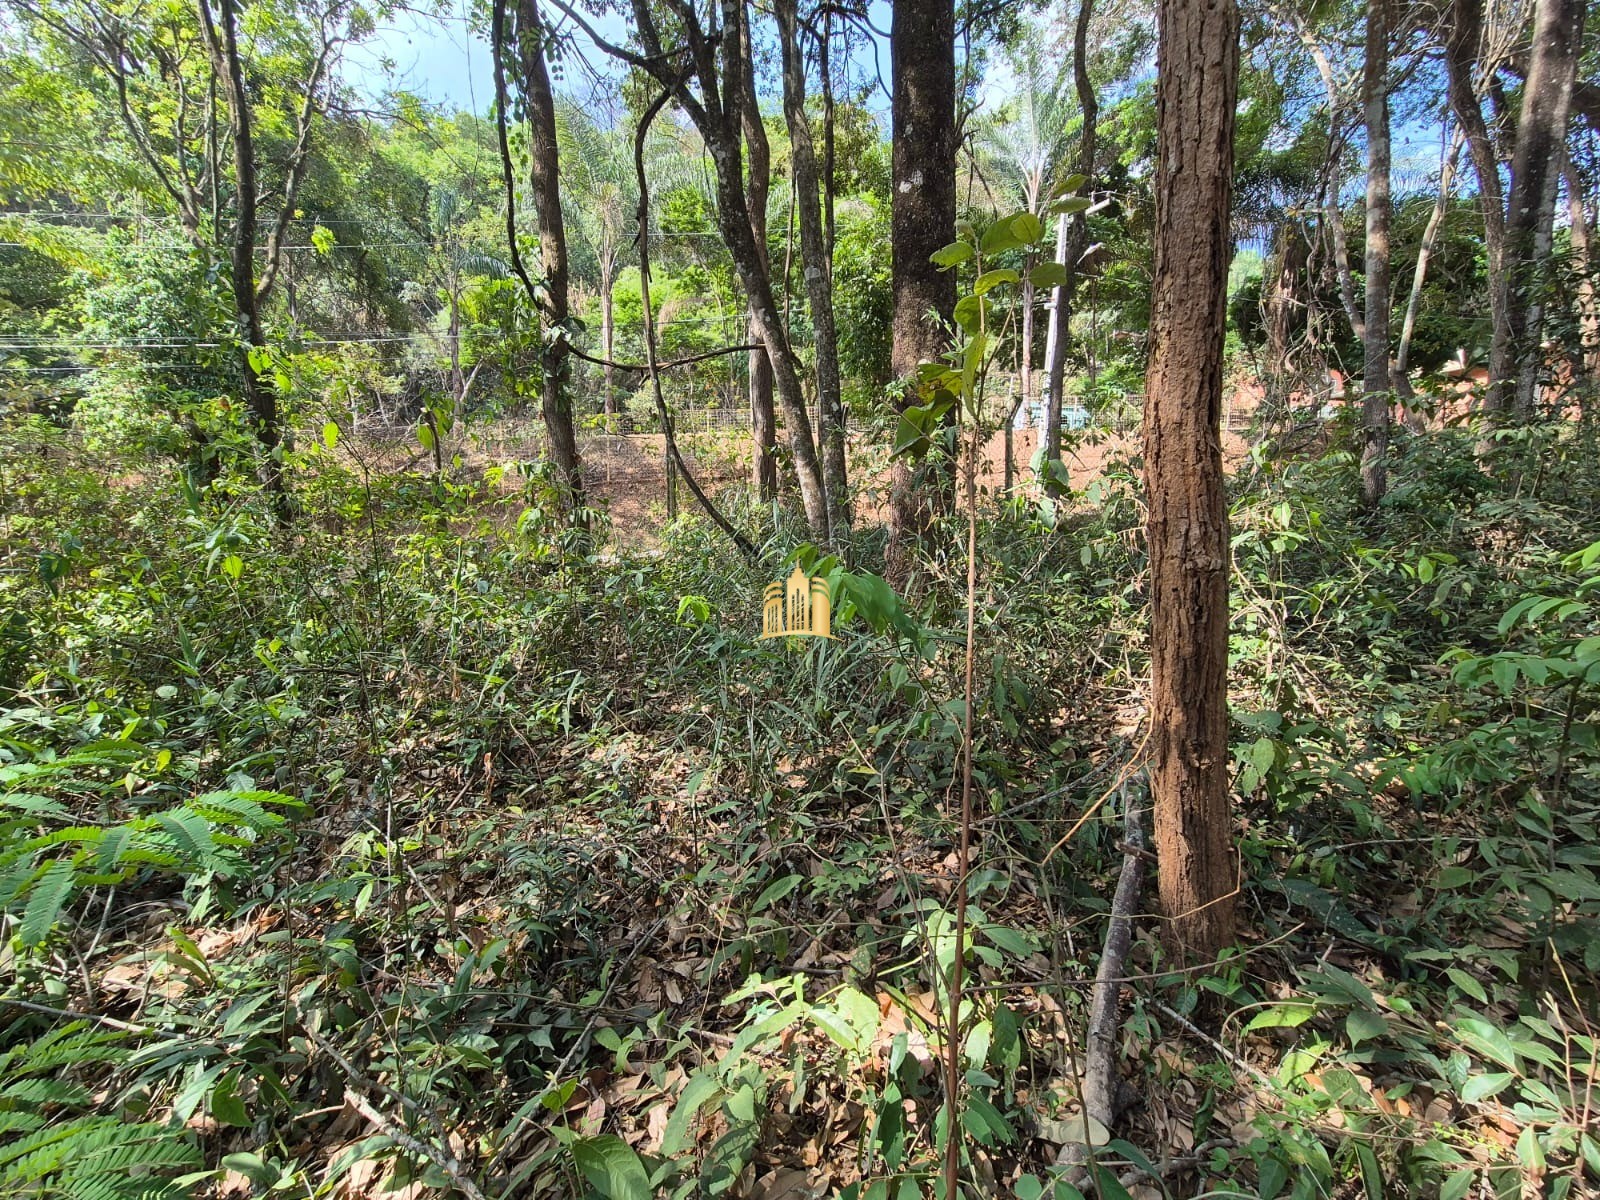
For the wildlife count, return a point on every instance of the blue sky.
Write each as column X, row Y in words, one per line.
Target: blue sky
column 441, row 60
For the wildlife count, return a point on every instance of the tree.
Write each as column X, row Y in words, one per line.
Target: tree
column 159, row 65
column 1187, row 534
column 817, row 267
column 703, row 75
column 922, row 41
column 598, row 188
column 1376, row 386
column 544, row 158
column 1071, row 241
column 1535, row 172
column 763, row 418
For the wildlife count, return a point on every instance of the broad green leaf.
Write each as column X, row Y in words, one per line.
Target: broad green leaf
column 952, row 255
column 330, row 434
column 1481, row 1087
column 1282, row 1016
column 1047, row 275
column 1027, row 228
column 990, row 280
column 776, row 890
column 612, row 1168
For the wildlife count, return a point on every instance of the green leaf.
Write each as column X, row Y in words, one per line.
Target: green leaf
column 1027, row 228
column 952, row 255
column 425, row 436
column 1282, row 1016
column 1457, row 1185
column 775, row 891
column 1467, row 984
column 1486, row 1041
column 330, row 434
column 226, row 1106
column 1361, row 1025
column 990, row 280
column 612, row 1168
column 253, row 1167
column 1481, row 1087
column 1048, row 275
column 970, row 313
column 1453, row 877
column 1000, row 237
column 49, row 896
column 700, row 1089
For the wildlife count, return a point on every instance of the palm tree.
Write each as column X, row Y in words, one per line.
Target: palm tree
column 602, row 194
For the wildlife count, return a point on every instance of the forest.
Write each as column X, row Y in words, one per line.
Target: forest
column 781, row 599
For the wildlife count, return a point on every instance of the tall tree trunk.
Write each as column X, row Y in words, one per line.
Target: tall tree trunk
column 545, row 178
column 1376, row 385
column 260, row 396
column 815, row 267
column 1535, row 171
column 763, row 417
column 1465, row 32
column 922, row 219
column 1583, row 266
column 1196, row 90
column 1072, row 237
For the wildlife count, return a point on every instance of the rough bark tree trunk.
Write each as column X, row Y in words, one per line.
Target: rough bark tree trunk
column 555, row 402
column 922, row 219
column 1196, row 91
column 814, row 266
column 1535, row 171
column 1377, row 387
column 763, row 417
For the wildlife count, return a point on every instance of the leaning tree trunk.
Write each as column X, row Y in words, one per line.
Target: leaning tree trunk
column 922, row 219
column 1535, row 171
column 817, row 271
column 544, row 175
column 1196, row 88
column 763, row 417
column 1376, row 383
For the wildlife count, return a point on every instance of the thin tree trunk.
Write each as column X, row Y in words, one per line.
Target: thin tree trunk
column 763, row 418
column 1430, row 238
column 1377, row 387
column 1196, row 91
column 814, row 266
column 260, row 396
column 1465, row 30
column 608, row 338
column 1535, row 171
column 1072, row 237
column 1588, row 303
column 922, row 219
column 545, row 179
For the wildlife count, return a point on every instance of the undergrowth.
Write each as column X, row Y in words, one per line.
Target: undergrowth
column 427, row 845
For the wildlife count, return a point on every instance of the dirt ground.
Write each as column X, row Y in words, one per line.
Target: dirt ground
column 627, row 473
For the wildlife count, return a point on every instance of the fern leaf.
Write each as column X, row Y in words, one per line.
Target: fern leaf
column 48, row 898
